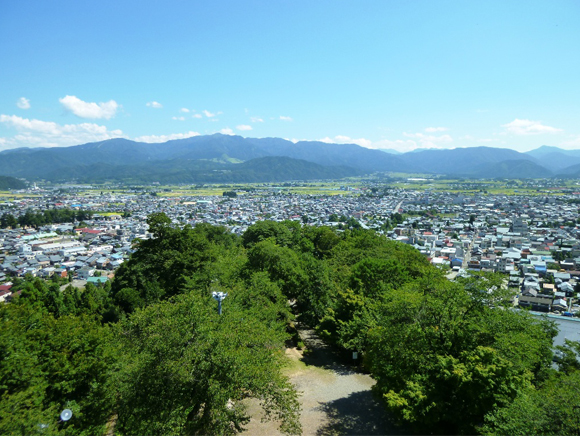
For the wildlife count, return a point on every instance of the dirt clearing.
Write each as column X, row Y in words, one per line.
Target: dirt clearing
column 335, row 398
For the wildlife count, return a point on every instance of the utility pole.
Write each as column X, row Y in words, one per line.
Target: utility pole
column 219, row 297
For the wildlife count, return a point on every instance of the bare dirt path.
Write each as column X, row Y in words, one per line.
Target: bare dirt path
column 335, row 398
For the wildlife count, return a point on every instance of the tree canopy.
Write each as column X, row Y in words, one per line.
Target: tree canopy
column 150, row 354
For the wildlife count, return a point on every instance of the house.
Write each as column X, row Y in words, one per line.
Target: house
column 54, row 259
column 539, row 303
column 567, row 288
column 560, row 305
column 85, row 272
column 548, row 288
column 456, row 262
column 562, row 276
column 4, row 295
column 568, row 264
column 531, row 282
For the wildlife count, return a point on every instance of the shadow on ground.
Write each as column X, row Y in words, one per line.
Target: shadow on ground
column 322, row 355
column 357, row 414
column 328, row 359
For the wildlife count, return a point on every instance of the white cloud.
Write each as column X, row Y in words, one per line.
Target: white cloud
column 178, row 118
column 38, row 133
column 196, row 116
column 28, row 124
column 528, row 127
column 402, row 145
column 23, row 103
column 256, row 120
column 430, row 141
column 341, row 139
column 283, row 118
column 84, row 109
column 244, row 127
column 573, row 143
column 436, row 129
column 227, row 131
column 154, row 104
column 165, row 138
column 209, row 114
column 184, row 110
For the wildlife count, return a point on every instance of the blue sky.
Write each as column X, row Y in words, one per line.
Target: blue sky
column 383, row 74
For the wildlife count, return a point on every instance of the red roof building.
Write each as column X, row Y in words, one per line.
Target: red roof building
column 87, row 230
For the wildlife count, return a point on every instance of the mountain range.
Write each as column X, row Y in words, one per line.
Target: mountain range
column 228, row 158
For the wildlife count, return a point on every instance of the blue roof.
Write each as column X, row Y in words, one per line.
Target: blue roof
column 97, row 279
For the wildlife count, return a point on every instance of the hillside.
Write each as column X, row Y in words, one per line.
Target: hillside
column 513, row 169
column 154, row 346
column 222, row 158
column 572, row 171
column 265, row 169
column 558, row 161
column 460, row 161
column 544, row 150
column 11, row 183
column 129, row 158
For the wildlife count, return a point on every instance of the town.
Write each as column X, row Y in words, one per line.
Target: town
column 532, row 239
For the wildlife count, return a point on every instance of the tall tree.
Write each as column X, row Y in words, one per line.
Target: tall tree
column 47, row 365
column 443, row 361
column 197, row 367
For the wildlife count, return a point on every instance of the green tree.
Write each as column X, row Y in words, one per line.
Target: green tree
column 552, row 409
column 373, row 277
column 174, row 261
column 51, row 364
column 324, row 239
column 285, row 234
column 198, row 367
column 8, row 221
column 282, row 264
column 461, row 359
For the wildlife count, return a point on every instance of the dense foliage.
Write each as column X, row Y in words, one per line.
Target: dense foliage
column 7, row 182
column 150, row 354
column 48, row 216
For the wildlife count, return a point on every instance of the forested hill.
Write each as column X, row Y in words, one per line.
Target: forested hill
column 265, row 169
column 149, row 354
column 230, row 158
column 11, row 183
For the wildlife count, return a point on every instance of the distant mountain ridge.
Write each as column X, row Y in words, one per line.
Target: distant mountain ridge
column 202, row 158
column 544, row 150
column 460, row 161
column 514, row 169
column 177, row 171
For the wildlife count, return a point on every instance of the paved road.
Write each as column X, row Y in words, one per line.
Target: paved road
column 397, row 207
column 467, row 256
column 335, row 399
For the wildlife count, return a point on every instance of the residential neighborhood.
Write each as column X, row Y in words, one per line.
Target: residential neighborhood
column 532, row 240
